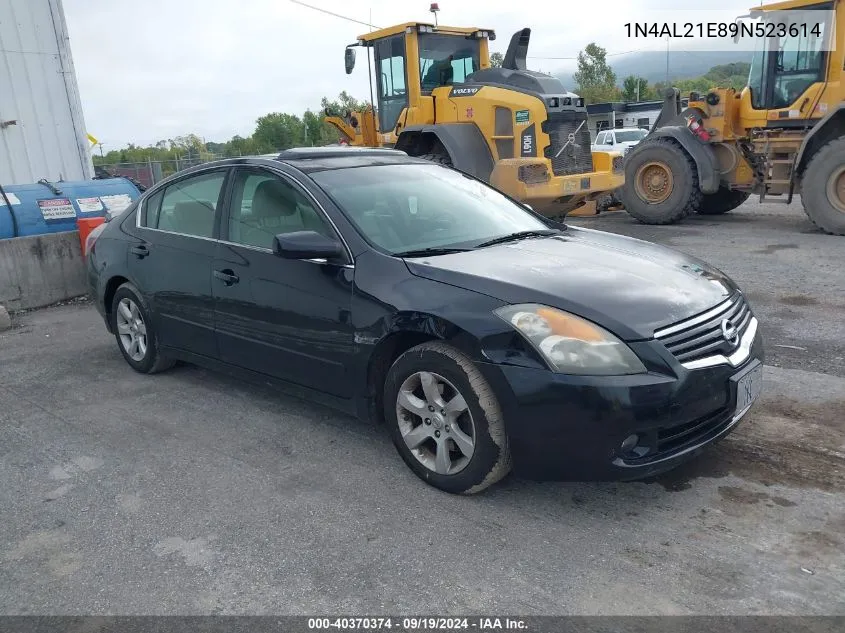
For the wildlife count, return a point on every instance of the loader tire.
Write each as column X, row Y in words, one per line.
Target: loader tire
column 722, row 201
column 441, row 159
column 823, row 188
column 661, row 183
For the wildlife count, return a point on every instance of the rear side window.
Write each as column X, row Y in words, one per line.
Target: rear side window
column 187, row 206
column 600, row 138
column 150, row 210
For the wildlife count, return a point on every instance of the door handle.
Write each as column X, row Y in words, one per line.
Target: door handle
column 227, row 276
column 140, row 250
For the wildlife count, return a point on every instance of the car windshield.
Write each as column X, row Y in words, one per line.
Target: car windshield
column 400, row 208
column 630, row 135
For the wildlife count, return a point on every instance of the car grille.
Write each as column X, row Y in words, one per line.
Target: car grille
column 701, row 336
column 568, row 155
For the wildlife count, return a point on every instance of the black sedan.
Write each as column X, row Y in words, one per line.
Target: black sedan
column 482, row 334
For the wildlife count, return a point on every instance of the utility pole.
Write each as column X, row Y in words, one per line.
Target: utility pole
column 100, row 145
column 667, row 61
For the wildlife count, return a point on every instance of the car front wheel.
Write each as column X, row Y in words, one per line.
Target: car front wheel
column 445, row 419
column 135, row 335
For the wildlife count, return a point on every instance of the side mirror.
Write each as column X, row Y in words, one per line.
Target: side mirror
column 609, row 140
column 349, row 59
column 306, row 245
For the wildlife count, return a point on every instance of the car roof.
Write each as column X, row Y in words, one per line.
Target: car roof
column 311, row 159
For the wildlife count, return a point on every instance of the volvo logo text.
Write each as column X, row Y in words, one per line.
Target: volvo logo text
column 729, row 332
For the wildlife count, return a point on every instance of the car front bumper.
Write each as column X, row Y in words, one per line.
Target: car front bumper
column 568, row 427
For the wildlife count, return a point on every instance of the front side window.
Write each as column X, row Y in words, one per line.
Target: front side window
column 187, row 206
column 409, row 207
column 390, row 80
column 264, row 205
column 447, row 59
column 600, row 139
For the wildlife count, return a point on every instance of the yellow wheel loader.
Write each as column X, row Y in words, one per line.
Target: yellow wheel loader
column 437, row 97
column 782, row 134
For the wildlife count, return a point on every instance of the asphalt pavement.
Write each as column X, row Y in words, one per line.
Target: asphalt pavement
column 190, row 492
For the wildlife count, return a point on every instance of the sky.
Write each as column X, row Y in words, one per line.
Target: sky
column 157, row 69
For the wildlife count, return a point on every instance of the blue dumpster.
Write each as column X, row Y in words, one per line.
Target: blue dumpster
column 54, row 207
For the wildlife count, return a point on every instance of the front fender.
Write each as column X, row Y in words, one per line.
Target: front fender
column 702, row 154
column 463, row 141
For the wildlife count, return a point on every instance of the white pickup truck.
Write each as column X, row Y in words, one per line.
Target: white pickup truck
column 618, row 140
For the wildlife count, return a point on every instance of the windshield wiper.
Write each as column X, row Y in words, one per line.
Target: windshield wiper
column 422, row 252
column 512, row 237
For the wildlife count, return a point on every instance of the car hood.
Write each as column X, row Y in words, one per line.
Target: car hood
column 628, row 286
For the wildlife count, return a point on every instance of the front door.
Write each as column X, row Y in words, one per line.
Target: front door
column 171, row 260
column 391, row 81
column 785, row 67
column 285, row 318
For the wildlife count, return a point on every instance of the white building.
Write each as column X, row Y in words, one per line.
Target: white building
column 42, row 131
column 616, row 114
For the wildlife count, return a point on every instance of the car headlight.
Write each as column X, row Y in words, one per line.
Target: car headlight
column 570, row 344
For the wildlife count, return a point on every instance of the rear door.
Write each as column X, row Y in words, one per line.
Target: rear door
column 171, row 259
column 289, row 319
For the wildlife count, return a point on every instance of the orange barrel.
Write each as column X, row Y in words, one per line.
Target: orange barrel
column 86, row 225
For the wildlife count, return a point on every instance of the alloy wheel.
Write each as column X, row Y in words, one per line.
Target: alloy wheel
column 131, row 329
column 435, row 422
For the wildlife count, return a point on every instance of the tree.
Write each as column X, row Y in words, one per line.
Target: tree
column 344, row 102
column 273, row 131
column 496, row 60
column 635, row 89
column 277, row 130
column 596, row 80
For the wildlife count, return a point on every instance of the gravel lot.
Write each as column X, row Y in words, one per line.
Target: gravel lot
column 194, row 493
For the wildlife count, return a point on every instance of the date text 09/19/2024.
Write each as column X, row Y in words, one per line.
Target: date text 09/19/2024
column 408, row 624
column 720, row 29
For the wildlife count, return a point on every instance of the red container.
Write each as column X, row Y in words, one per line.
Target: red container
column 86, row 225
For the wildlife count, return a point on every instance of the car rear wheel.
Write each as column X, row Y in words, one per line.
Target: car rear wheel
column 135, row 335
column 445, row 420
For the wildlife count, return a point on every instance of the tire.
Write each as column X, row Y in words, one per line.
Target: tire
column 822, row 204
column 722, row 201
column 479, row 421
column 684, row 195
column 439, row 158
column 603, row 203
column 146, row 358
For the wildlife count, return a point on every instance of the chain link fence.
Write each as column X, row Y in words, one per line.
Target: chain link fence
column 146, row 174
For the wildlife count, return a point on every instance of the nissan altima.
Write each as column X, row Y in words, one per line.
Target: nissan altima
column 485, row 337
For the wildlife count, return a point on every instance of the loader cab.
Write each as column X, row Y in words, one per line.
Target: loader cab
column 788, row 69
column 411, row 60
